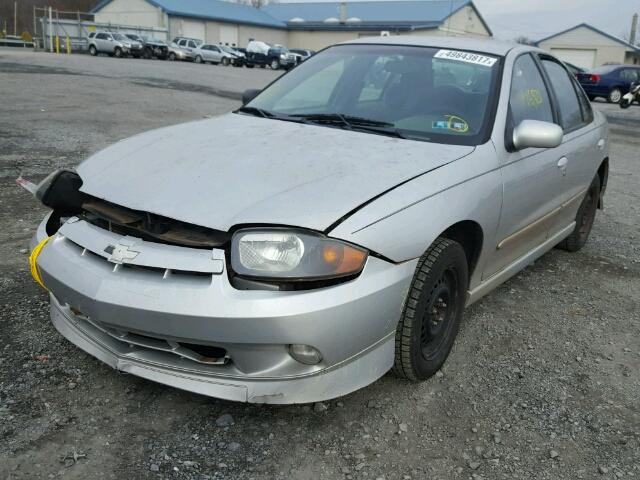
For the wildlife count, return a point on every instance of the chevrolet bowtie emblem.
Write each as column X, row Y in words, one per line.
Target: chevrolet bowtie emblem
column 120, row 253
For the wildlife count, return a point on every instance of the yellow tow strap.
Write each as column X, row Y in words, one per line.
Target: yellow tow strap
column 33, row 265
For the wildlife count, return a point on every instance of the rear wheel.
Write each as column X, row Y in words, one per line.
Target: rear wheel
column 432, row 312
column 147, row 53
column 93, row 50
column 615, row 94
column 584, row 219
column 198, row 59
column 172, row 56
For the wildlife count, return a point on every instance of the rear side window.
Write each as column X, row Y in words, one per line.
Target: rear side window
column 529, row 99
column 629, row 75
column 585, row 104
column 566, row 95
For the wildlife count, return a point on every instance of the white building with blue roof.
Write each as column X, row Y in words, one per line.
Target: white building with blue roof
column 312, row 25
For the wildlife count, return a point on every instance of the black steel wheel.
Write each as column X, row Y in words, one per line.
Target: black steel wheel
column 584, row 219
column 433, row 311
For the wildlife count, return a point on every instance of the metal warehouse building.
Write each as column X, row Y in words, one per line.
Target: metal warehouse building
column 297, row 25
column 588, row 47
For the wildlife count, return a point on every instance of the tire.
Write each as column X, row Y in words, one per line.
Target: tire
column 93, row 51
column 147, row 53
column 225, row 61
column 117, row 52
column 275, row 64
column 615, row 94
column 584, row 219
column 198, row 59
column 433, row 311
column 172, row 56
column 625, row 103
column 249, row 65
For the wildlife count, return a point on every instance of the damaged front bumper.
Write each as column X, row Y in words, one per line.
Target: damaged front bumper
column 170, row 314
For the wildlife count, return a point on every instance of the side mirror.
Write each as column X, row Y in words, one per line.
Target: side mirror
column 537, row 134
column 249, row 95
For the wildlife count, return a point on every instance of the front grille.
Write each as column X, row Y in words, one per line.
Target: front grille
column 149, row 226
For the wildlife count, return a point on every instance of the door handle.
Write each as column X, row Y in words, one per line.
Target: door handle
column 562, row 165
column 601, row 144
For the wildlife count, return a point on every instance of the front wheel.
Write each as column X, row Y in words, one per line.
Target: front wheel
column 432, row 312
column 198, row 59
column 584, row 219
column 172, row 56
column 625, row 103
column 93, row 51
column 614, row 95
column 225, row 61
column 118, row 52
column 275, row 64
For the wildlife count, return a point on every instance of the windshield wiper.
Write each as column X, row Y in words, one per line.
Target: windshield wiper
column 351, row 122
column 258, row 112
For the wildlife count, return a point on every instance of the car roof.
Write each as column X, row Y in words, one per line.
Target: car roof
column 495, row 47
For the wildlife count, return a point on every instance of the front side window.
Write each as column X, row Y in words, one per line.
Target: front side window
column 421, row 93
column 529, row 99
column 566, row 96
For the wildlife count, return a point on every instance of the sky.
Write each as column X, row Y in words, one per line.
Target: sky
column 537, row 19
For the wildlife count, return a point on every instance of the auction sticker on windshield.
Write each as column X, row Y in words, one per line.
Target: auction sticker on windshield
column 467, row 57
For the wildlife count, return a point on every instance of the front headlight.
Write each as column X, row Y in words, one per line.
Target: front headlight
column 289, row 254
column 283, row 56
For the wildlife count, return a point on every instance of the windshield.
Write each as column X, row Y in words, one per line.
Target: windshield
column 227, row 49
column 421, row 93
column 119, row 36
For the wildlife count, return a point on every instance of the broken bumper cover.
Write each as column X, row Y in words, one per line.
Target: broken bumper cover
column 139, row 320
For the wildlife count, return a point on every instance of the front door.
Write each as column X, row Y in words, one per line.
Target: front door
column 532, row 177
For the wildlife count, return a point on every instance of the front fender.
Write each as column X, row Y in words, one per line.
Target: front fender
column 403, row 223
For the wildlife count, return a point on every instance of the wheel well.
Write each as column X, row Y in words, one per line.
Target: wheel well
column 468, row 234
column 603, row 173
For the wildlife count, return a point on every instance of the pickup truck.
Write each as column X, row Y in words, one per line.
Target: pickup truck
column 276, row 57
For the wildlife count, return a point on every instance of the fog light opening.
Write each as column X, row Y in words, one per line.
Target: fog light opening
column 305, row 354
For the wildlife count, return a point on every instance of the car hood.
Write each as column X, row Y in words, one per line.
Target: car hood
column 238, row 169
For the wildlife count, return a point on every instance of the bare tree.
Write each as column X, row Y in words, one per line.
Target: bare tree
column 524, row 40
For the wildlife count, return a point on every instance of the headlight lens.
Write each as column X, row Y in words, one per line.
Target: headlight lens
column 287, row 254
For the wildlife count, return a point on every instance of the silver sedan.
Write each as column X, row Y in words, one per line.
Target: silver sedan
column 406, row 178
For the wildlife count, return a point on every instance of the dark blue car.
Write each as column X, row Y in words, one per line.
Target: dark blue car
column 609, row 81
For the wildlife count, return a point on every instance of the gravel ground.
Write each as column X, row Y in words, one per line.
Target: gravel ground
column 543, row 382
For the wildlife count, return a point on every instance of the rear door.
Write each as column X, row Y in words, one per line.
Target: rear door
column 531, row 176
column 582, row 145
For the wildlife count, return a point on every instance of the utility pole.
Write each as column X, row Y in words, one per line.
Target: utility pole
column 15, row 18
column 634, row 28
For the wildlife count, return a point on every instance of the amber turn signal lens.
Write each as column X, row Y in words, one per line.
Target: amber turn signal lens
column 343, row 258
